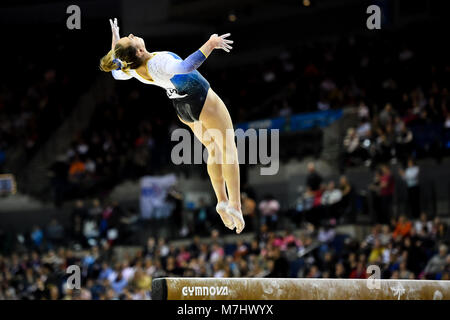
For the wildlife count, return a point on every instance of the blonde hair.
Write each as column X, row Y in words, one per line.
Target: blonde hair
column 127, row 56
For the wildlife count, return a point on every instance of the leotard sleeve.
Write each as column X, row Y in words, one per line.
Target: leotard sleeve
column 168, row 65
column 120, row 75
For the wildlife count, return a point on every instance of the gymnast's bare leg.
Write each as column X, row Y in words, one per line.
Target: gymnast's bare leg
column 214, row 171
column 215, row 117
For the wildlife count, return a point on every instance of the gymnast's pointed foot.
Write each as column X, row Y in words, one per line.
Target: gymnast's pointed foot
column 238, row 218
column 227, row 220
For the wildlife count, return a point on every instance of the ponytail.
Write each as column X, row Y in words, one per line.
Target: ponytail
column 120, row 59
column 107, row 64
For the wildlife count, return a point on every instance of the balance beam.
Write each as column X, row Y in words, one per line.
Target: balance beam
column 297, row 289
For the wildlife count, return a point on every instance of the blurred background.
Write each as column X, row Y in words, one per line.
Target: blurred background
column 85, row 170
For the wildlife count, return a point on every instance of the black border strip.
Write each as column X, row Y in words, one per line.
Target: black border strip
column 159, row 289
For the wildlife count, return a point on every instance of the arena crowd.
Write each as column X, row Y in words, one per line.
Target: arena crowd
column 404, row 249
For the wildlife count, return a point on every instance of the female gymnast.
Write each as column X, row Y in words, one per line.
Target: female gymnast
column 196, row 105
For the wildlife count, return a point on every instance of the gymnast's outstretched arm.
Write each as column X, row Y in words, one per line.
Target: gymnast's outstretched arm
column 191, row 63
column 117, row 74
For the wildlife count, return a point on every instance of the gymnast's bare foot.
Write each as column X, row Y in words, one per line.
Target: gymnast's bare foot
column 235, row 212
column 227, row 220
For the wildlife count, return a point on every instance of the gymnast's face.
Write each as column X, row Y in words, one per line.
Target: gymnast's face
column 136, row 42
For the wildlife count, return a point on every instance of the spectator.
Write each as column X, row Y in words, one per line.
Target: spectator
column 201, row 218
column 437, row 263
column 351, row 142
column 281, row 265
column 314, row 272
column 403, row 227
column 356, row 148
column 249, row 211
column 423, row 225
column 387, row 115
column 96, row 210
column 217, row 253
column 105, row 272
column 387, row 185
column 411, row 177
column 376, row 253
column 384, row 147
column 313, row 179
column 90, row 230
column 326, row 234
column 403, row 140
column 119, row 283
column 364, row 129
column 58, row 174
column 330, row 199
column 142, row 282
column 359, row 272
column 363, row 110
column 346, row 204
column 55, row 232
column 37, row 236
column 385, row 236
column 77, row 170
column 340, row 272
column 77, row 219
column 269, row 208
column 331, row 195
column 375, row 190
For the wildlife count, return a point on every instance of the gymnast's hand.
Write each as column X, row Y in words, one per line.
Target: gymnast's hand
column 115, row 32
column 220, row 42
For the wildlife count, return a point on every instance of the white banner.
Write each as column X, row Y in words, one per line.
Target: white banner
column 153, row 195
